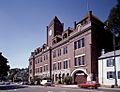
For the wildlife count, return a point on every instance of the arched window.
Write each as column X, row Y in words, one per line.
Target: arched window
column 65, row 36
column 54, row 41
column 63, row 76
column 56, row 77
column 67, row 74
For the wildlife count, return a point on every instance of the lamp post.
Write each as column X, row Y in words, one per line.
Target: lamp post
column 115, row 34
column 114, row 45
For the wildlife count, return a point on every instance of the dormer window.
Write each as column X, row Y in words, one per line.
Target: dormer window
column 54, row 42
column 65, row 36
column 79, row 27
column 84, row 22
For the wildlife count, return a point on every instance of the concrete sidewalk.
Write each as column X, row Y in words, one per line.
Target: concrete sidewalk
column 67, row 86
column 76, row 86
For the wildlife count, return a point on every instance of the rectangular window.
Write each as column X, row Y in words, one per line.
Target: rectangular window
column 46, row 56
column 59, row 65
column 40, row 59
column 65, row 50
column 54, row 54
column 40, row 69
column 83, row 42
column 75, row 62
column 46, row 67
column 79, row 61
column 30, row 63
column 83, row 60
column 118, row 74
column 65, row 66
column 54, row 66
column 31, row 71
column 110, row 62
column 35, row 61
column 75, row 45
column 79, row 43
column 59, row 52
column 110, row 75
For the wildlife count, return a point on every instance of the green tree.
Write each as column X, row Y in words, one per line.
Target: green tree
column 113, row 22
column 4, row 68
column 12, row 73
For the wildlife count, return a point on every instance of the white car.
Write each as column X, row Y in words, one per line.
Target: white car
column 46, row 82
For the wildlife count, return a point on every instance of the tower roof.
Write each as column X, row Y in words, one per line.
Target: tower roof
column 54, row 20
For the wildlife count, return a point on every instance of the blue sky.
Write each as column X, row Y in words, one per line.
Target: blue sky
column 23, row 23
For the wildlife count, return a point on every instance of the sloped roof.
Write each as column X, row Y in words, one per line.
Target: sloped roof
column 110, row 54
column 55, row 19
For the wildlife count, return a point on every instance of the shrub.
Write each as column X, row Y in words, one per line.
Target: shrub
column 67, row 80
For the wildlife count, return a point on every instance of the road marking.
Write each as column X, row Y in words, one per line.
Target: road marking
column 60, row 91
column 50, row 91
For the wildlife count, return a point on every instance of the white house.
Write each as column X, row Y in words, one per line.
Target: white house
column 107, row 66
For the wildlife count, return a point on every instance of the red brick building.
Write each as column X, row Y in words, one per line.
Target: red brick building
column 72, row 52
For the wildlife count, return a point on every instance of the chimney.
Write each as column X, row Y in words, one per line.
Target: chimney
column 75, row 25
column 103, row 52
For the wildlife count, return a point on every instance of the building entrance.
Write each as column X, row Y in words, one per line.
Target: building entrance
column 80, row 77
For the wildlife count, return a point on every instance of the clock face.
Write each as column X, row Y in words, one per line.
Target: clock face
column 50, row 32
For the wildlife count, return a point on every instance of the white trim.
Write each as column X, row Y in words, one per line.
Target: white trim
column 45, row 64
column 78, row 70
column 80, row 55
column 59, row 61
column 54, row 62
column 66, row 59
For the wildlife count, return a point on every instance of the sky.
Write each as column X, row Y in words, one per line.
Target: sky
column 23, row 23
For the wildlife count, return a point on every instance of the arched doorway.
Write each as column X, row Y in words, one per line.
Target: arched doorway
column 79, row 76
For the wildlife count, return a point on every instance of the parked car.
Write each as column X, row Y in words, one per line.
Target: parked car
column 24, row 83
column 46, row 82
column 89, row 84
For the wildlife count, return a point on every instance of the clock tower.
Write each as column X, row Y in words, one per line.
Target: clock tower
column 54, row 28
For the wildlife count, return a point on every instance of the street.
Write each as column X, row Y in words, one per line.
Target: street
column 58, row 89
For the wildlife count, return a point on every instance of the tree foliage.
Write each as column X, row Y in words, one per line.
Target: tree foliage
column 114, row 17
column 12, row 73
column 113, row 22
column 4, row 68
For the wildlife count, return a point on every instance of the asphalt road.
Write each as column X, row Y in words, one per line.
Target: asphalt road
column 57, row 89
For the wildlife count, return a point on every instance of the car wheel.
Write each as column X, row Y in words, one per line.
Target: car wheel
column 96, row 87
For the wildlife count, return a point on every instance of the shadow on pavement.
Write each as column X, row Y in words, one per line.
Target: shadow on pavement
column 8, row 87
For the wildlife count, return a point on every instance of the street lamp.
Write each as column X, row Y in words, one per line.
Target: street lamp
column 115, row 34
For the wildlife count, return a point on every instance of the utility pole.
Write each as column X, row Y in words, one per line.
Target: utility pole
column 114, row 45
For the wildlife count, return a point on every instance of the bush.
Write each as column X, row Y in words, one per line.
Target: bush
column 67, row 80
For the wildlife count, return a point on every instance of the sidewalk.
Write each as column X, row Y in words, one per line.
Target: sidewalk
column 76, row 86
column 67, row 86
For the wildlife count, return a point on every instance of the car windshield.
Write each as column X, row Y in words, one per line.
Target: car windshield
column 48, row 80
column 90, row 82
